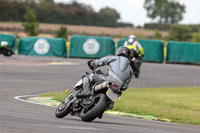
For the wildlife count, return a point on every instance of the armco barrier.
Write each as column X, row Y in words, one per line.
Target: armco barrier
column 11, row 39
column 41, row 46
column 91, row 46
column 153, row 49
column 183, row 52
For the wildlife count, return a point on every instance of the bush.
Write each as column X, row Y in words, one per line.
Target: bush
column 62, row 32
column 158, row 26
column 180, row 32
column 157, row 35
column 31, row 26
column 195, row 37
column 194, row 28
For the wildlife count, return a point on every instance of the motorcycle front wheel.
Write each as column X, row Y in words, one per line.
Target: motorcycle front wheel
column 96, row 108
column 64, row 108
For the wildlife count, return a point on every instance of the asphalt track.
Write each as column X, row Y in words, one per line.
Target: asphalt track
column 25, row 75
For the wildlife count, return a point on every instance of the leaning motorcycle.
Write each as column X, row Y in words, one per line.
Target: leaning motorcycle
column 5, row 49
column 102, row 98
column 135, row 65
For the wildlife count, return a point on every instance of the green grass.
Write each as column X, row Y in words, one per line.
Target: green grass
column 59, row 96
column 180, row 105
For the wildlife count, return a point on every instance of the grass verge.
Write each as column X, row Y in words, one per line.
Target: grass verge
column 58, row 96
column 180, row 105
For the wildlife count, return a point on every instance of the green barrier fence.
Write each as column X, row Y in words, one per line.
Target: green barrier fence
column 153, row 49
column 183, row 52
column 41, row 46
column 91, row 46
column 11, row 39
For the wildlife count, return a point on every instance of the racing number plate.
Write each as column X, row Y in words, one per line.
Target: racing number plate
column 112, row 95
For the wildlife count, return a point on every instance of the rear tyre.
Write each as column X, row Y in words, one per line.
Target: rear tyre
column 7, row 51
column 96, row 109
column 137, row 74
column 64, row 108
column 137, row 70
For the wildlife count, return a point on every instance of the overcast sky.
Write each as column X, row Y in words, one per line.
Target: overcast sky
column 132, row 11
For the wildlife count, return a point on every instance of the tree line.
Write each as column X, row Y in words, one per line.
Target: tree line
column 167, row 13
column 47, row 11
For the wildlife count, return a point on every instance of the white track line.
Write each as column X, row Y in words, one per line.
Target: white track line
column 19, row 98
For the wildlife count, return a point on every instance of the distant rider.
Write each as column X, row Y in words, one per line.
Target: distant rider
column 133, row 44
column 3, row 44
column 119, row 70
column 135, row 47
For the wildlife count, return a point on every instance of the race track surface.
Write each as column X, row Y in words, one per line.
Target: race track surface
column 25, row 75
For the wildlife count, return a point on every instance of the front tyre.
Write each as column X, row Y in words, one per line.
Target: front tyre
column 96, row 109
column 64, row 108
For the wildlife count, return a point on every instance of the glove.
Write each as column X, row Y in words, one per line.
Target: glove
column 140, row 58
column 89, row 65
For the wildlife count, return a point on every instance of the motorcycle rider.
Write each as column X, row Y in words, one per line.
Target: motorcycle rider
column 5, row 49
column 119, row 71
column 133, row 44
column 3, row 44
column 136, row 49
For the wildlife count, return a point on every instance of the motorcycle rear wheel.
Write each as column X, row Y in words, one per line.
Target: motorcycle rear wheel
column 96, row 109
column 137, row 74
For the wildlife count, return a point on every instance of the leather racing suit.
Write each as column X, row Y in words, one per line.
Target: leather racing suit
column 118, row 71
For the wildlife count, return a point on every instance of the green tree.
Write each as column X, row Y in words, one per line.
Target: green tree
column 31, row 26
column 166, row 11
column 48, row 11
column 180, row 32
column 157, row 34
column 62, row 32
column 109, row 17
column 196, row 37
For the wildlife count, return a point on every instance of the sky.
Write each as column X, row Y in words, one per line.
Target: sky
column 132, row 11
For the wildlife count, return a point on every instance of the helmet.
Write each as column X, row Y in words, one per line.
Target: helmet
column 124, row 51
column 132, row 37
column 4, row 43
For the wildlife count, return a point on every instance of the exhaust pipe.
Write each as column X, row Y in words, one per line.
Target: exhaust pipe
column 101, row 86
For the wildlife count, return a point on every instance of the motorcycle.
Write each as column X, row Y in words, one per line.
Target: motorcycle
column 135, row 65
column 5, row 49
column 88, row 108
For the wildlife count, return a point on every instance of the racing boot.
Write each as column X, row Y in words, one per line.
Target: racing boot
column 86, row 91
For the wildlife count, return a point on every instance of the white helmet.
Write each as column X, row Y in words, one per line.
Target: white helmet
column 4, row 43
column 132, row 37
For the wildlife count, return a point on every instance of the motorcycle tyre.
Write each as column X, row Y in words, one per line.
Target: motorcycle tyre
column 97, row 110
column 64, row 112
column 137, row 71
column 137, row 74
column 7, row 51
